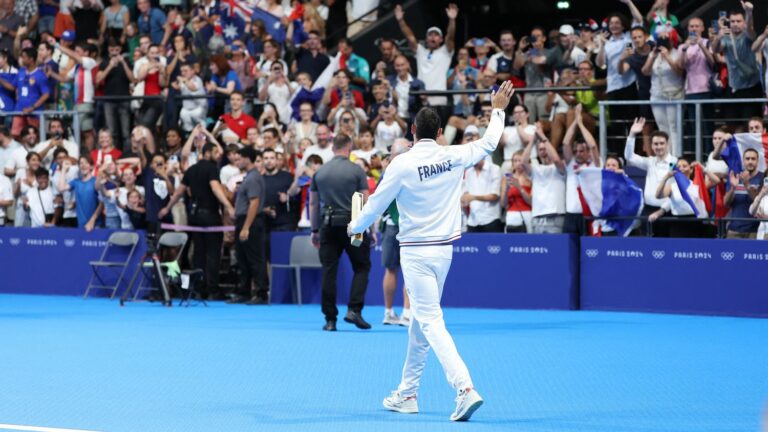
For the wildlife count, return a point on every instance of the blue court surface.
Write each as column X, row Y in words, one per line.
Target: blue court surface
column 91, row 365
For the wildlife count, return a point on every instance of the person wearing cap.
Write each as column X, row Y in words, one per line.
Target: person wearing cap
column 481, row 46
column 434, row 58
column 571, row 55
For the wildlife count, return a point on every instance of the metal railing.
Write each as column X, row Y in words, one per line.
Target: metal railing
column 42, row 115
column 720, row 223
column 450, row 92
column 678, row 146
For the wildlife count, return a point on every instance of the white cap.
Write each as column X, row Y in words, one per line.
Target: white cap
column 471, row 129
column 436, row 30
column 567, row 29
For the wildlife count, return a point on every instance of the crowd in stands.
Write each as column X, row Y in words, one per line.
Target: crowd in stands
column 154, row 83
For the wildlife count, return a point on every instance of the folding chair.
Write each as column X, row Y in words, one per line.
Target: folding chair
column 302, row 255
column 167, row 240
column 110, row 258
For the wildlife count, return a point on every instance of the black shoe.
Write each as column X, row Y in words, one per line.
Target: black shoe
column 235, row 299
column 357, row 319
column 330, row 325
column 255, row 300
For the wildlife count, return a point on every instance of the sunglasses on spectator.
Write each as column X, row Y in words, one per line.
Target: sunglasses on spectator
column 346, row 120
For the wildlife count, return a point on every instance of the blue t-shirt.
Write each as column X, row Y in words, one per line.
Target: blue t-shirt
column 52, row 82
column 30, row 86
column 222, row 82
column 86, row 199
column 8, row 97
column 740, row 206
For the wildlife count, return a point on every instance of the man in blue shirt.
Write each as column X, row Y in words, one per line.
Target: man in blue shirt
column 151, row 21
column 7, row 90
column 31, row 90
column 87, row 204
column 742, row 190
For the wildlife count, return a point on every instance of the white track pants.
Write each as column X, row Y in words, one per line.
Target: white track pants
column 424, row 270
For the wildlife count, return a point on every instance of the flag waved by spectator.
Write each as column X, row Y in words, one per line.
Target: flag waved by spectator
column 608, row 195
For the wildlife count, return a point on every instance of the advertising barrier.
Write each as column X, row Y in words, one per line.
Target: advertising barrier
column 505, row 271
column 696, row 276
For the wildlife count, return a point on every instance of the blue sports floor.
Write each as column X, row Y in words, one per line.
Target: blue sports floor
column 70, row 363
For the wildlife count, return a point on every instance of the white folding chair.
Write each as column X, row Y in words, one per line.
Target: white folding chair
column 303, row 255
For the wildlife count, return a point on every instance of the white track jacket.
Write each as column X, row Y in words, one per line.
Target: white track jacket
column 426, row 182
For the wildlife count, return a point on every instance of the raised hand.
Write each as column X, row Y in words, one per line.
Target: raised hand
column 453, row 11
column 637, row 126
column 399, row 13
column 748, row 7
column 500, row 98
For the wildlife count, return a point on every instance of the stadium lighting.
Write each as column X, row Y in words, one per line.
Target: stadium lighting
column 563, row 4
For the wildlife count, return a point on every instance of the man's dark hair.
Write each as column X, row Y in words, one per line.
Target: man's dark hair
column 736, row 12
column 231, row 148
column 506, row 31
column 114, row 43
column 341, row 141
column 32, row 154
column 272, row 131
column 249, row 153
column 30, row 52
column 53, row 120
column 47, row 45
column 640, row 29
column 58, row 151
column 525, row 108
column 751, row 150
column 208, row 147
column 268, row 150
column 315, row 32
column 365, row 129
column 41, row 172
column 427, row 123
column 160, row 154
column 237, row 92
column 661, row 134
column 314, row 159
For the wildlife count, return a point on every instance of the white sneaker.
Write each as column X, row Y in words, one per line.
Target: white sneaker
column 395, row 402
column 405, row 321
column 391, row 318
column 467, row 402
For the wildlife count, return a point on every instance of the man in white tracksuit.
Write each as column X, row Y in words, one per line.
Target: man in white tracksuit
column 426, row 182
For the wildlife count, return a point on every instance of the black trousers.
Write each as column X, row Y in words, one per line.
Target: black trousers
column 207, row 253
column 621, row 118
column 493, row 227
column 334, row 241
column 252, row 259
column 737, row 113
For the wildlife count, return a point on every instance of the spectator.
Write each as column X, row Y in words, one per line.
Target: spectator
column 322, row 148
column 538, row 63
column 620, row 86
column 129, row 186
column 482, row 184
column 153, row 74
column 309, row 58
column 734, row 41
column 47, row 13
column 365, row 148
column 548, row 186
column 25, row 180
column 758, row 209
column 232, row 168
column 87, row 15
column 207, row 196
column 684, row 224
column 516, row 196
column 181, row 55
column 697, row 60
column 116, row 77
column 633, row 60
column 106, row 153
column 41, row 203
column 252, row 236
column 16, row 160
column 8, row 75
column 385, row 67
column 107, row 183
column 69, row 213
column 277, row 202
column 193, row 111
column 388, row 127
column 742, row 189
column 655, row 167
column 337, row 20
column 578, row 154
column 223, row 81
column 51, row 69
column 278, row 90
column 570, row 53
column 173, row 144
column 116, row 19
column 666, row 85
column 84, row 76
column 254, row 40
column 57, row 134
column 7, row 147
column 305, row 127
column 9, row 25
column 6, row 197
column 88, row 207
column 560, row 106
column 462, row 77
column 434, row 59
column 138, row 89
column 503, row 62
column 151, row 20
column 341, row 93
column 271, row 139
column 31, row 90
column 263, row 66
column 404, row 83
column 481, row 47
column 235, row 123
column 514, row 138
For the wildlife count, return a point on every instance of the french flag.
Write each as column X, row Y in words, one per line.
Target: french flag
column 609, row 194
column 691, row 193
column 734, row 149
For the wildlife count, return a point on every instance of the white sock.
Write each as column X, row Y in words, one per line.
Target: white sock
column 406, row 313
column 387, row 311
column 449, row 133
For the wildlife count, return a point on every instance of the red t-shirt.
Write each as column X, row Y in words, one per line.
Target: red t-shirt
column 239, row 125
column 356, row 95
column 99, row 156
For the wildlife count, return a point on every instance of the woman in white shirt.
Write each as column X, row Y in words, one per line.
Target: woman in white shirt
column 278, row 90
column 24, row 181
column 667, row 84
column 121, row 196
column 668, row 188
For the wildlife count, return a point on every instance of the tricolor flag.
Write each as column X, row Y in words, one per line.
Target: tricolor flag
column 609, row 194
column 691, row 194
column 733, row 152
